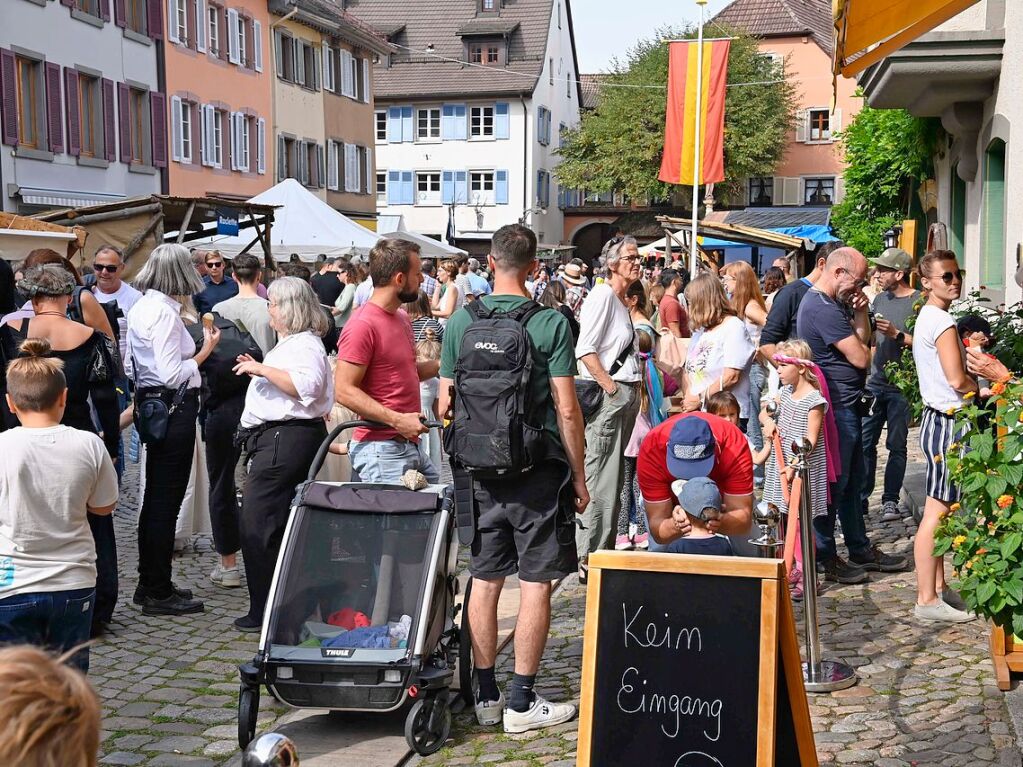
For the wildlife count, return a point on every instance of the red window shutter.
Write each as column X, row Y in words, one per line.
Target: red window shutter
column 54, row 123
column 158, row 116
column 9, row 97
column 109, row 134
column 124, row 115
column 104, row 9
column 154, row 18
column 191, row 22
column 120, row 17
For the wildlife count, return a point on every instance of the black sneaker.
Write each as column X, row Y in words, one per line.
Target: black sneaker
column 837, row 570
column 877, row 560
column 140, row 594
column 172, row 605
column 248, row 624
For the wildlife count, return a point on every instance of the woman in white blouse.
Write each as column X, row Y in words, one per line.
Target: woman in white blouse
column 282, row 427
column 166, row 366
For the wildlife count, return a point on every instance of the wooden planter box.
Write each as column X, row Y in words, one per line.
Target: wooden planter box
column 1006, row 655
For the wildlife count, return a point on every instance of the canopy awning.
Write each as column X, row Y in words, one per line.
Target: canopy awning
column 867, row 31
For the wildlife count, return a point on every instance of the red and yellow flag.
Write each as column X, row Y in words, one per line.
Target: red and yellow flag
column 680, row 126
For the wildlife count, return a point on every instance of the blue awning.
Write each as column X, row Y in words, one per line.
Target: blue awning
column 816, row 234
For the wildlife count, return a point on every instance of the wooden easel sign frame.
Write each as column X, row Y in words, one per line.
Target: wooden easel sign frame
column 691, row 661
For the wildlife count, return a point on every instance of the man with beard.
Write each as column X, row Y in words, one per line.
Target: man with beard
column 377, row 374
column 833, row 320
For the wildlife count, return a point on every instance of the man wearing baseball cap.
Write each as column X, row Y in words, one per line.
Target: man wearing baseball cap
column 892, row 307
column 689, row 446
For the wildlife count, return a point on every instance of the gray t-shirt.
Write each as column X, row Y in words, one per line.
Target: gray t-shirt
column 252, row 316
column 896, row 311
column 45, row 541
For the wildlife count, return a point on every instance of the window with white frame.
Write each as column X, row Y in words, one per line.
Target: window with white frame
column 428, row 188
column 761, row 191
column 820, row 125
column 241, row 32
column 352, row 175
column 241, row 136
column 212, row 136
column 381, row 125
column 481, row 122
column 481, row 187
column 381, row 187
column 427, row 124
column 819, row 191
column 213, row 23
column 179, row 19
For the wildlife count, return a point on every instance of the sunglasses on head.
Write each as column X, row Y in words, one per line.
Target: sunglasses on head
column 214, row 264
column 948, row 277
column 109, row 268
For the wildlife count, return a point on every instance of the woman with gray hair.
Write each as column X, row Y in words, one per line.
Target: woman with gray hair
column 282, row 426
column 166, row 369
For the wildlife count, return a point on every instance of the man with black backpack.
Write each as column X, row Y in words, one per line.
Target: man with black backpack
column 516, row 437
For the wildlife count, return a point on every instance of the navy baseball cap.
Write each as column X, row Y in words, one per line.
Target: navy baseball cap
column 690, row 448
column 695, row 496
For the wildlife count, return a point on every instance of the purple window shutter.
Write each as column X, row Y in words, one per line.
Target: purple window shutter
column 119, row 14
column 68, row 3
column 54, row 124
column 124, row 115
column 158, row 116
column 154, row 18
column 109, row 134
column 9, row 97
column 104, row 9
column 191, row 21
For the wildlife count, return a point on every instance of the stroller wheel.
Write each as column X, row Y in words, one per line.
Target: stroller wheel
column 468, row 683
column 428, row 725
column 248, row 710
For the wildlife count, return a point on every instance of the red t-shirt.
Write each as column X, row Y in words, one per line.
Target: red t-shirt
column 383, row 343
column 671, row 311
column 733, row 464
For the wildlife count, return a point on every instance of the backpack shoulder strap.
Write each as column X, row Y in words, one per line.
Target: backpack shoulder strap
column 477, row 311
column 76, row 305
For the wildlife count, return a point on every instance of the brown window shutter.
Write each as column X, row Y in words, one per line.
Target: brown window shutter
column 74, row 114
column 225, row 33
column 191, row 22
column 250, row 44
column 154, row 18
column 54, row 123
column 120, row 17
column 109, row 134
column 124, row 118
column 8, row 97
column 158, row 127
column 104, row 9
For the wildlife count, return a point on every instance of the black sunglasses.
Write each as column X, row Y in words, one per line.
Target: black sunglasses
column 109, row 268
column 214, row 264
column 948, row 277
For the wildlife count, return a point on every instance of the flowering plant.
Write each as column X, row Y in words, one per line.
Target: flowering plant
column 984, row 531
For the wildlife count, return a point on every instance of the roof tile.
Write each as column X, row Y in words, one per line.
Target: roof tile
column 777, row 18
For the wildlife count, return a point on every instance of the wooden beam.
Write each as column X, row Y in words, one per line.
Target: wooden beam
column 139, row 238
column 183, row 229
column 114, row 215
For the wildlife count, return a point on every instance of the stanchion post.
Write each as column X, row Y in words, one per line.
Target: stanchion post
column 818, row 675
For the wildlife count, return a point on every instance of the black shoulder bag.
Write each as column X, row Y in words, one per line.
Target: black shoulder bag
column 590, row 393
column 152, row 410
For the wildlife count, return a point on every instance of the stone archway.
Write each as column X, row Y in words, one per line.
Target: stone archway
column 589, row 239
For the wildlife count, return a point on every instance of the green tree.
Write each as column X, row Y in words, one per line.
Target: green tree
column 886, row 151
column 618, row 146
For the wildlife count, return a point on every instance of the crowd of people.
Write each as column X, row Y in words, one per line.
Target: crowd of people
column 645, row 394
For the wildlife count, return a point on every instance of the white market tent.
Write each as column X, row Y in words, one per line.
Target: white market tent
column 429, row 247
column 303, row 224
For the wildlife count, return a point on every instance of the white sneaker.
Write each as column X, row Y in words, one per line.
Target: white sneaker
column 226, row 577
column 489, row 712
column 541, row 714
column 939, row 612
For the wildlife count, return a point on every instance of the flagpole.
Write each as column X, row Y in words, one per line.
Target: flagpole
column 694, row 262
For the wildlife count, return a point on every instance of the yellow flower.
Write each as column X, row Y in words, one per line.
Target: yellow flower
column 939, row 458
column 950, row 411
column 968, row 565
column 958, row 541
column 956, row 506
column 972, row 394
column 997, row 388
column 1004, row 501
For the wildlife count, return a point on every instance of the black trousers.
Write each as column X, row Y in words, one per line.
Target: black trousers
column 221, row 461
column 106, row 566
column 279, row 460
column 168, row 464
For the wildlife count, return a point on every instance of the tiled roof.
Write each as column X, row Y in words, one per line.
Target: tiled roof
column 488, row 26
column 590, row 88
column 777, row 218
column 780, row 18
column 414, row 72
column 330, row 14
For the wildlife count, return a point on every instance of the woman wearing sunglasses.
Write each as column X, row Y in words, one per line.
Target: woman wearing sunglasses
column 941, row 364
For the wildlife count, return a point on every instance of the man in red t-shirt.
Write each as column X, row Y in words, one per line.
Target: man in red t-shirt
column 694, row 445
column 377, row 374
column 672, row 315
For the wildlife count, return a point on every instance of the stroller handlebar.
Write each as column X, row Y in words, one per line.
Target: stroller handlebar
column 321, row 454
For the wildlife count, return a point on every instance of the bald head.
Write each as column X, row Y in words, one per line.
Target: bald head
column 846, row 258
column 845, row 274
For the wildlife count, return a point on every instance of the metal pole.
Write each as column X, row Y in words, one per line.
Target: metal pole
column 818, row 675
column 694, row 249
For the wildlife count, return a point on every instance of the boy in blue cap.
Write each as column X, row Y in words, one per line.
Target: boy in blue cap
column 699, row 500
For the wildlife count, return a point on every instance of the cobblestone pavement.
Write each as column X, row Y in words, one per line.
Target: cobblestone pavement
column 926, row 695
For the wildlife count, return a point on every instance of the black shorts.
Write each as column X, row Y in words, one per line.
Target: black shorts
column 525, row 524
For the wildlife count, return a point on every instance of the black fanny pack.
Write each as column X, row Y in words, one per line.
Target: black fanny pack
column 154, row 407
column 590, row 393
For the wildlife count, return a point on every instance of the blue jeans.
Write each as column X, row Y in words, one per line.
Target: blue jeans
column 757, row 380
column 891, row 408
column 55, row 620
column 845, row 492
column 385, row 460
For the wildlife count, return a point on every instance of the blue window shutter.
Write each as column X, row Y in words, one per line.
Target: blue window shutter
column 539, row 124
column 447, row 122
column 547, row 188
column 547, row 129
column 501, row 187
column 394, row 125
column 539, row 188
column 501, row 120
column 461, row 187
column 407, row 133
column 393, row 187
column 447, row 187
column 461, row 124
column 408, row 192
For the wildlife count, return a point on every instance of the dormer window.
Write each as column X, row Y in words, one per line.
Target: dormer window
column 484, row 53
column 488, row 5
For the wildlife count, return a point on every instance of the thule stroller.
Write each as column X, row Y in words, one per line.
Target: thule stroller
column 361, row 614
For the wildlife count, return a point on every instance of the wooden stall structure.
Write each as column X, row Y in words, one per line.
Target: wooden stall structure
column 19, row 235
column 139, row 224
column 677, row 234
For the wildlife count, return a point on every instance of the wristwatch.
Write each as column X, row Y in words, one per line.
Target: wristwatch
column 900, row 337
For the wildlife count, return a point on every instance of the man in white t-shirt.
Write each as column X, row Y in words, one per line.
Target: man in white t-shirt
column 606, row 349
column 108, row 266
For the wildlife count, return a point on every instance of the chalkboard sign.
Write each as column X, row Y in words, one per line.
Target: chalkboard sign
column 682, row 663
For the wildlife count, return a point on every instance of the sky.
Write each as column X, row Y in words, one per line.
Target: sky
column 608, row 28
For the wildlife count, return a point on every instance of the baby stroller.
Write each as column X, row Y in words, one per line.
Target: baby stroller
column 361, row 614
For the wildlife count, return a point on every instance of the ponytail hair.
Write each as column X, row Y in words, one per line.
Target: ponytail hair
column 35, row 380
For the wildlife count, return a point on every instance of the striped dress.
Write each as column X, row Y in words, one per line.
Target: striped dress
column 792, row 417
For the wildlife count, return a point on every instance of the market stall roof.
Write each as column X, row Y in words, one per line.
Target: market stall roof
column 734, row 233
column 21, row 234
column 867, row 31
column 429, row 247
column 549, row 252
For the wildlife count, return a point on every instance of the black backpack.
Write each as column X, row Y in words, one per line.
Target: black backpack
column 495, row 429
column 220, row 383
